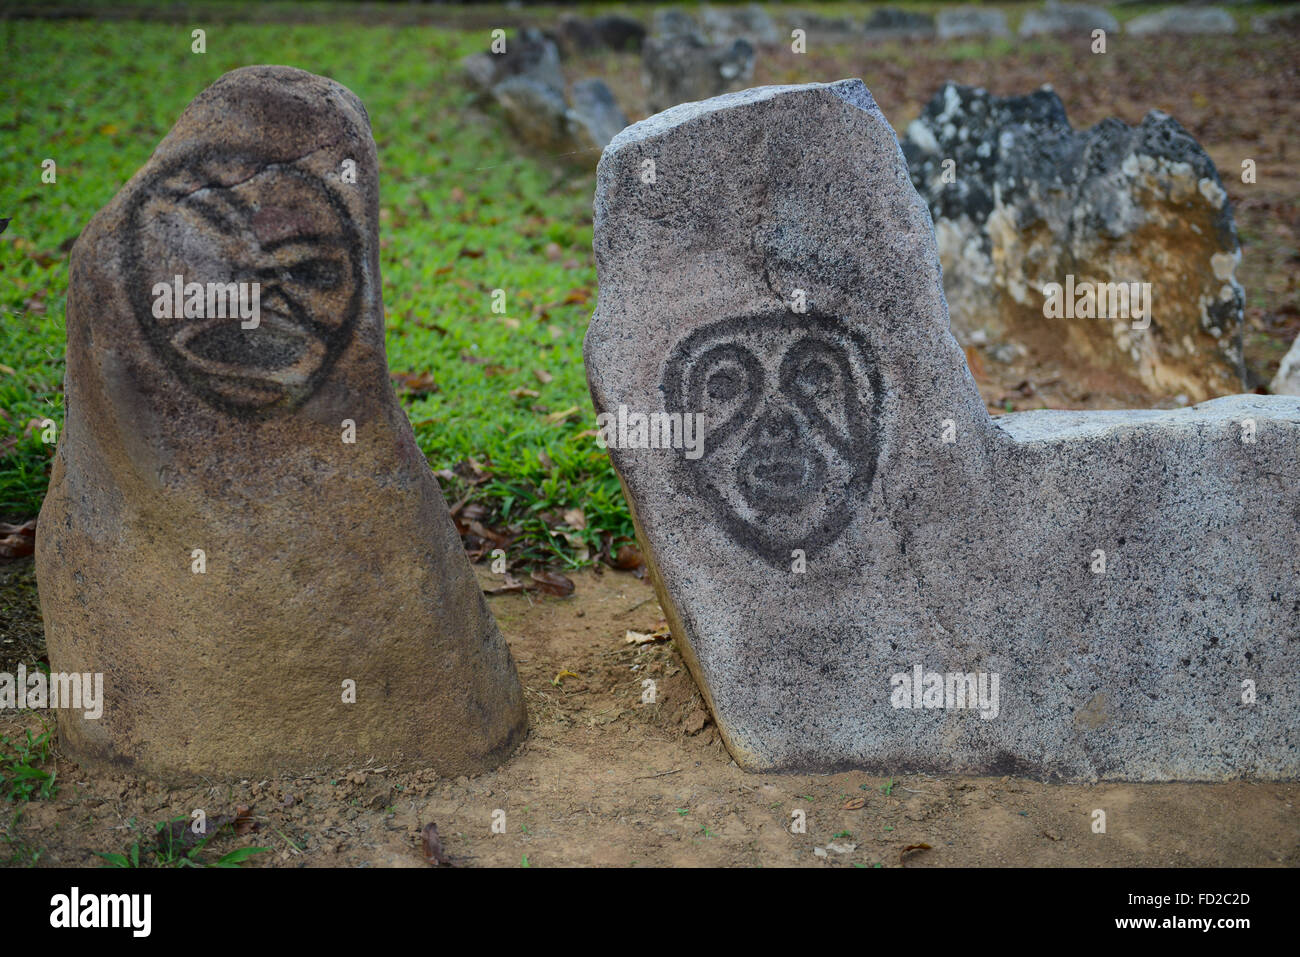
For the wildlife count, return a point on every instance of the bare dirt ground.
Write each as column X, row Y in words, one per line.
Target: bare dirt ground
column 606, row 780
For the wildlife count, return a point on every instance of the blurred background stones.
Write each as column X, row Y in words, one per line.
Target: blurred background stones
column 887, row 23
column 1200, row 20
column 651, row 59
column 1067, row 18
column 527, row 83
column 684, row 67
column 964, row 22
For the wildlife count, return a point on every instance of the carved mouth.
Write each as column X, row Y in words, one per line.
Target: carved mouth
column 775, row 478
column 278, row 349
column 788, row 474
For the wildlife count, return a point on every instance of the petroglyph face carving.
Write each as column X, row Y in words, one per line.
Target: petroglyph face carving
column 275, row 225
column 791, row 405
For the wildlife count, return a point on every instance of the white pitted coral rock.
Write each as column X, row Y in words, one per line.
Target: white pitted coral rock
column 1111, row 216
column 212, row 542
column 853, row 515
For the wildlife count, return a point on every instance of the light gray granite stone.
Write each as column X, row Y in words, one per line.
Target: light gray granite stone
column 594, row 115
column 680, row 68
column 853, row 515
column 965, row 22
column 1067, row 18
column 1180, row 20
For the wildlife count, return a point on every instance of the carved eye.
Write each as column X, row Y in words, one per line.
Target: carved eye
column 816, row 375
column 725, row 384
column 317, row 273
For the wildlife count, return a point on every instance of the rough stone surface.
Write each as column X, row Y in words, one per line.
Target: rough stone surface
column 324, row 561
column 537, row 112
column 824, row 433
column 823, row 29
column 1034, row 201
column 751, row 23
column 888, row 23
column 1067, row 18
column 1199, row 20
column 618, row 33
column 671, row 22
column 528, row 54
column 528, row 85
column 962, row 22
column 1287, row 380
column 594, row 116
column 1276, row 21
column 680, row 68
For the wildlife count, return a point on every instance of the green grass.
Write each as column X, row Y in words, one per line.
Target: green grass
column 23, row 779
column 174, row 845
column 464, row 212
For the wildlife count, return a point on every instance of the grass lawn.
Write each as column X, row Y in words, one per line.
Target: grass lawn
column 498, row 399
column 463, row 213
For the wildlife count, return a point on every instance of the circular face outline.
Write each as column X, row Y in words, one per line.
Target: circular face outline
column 199, row 381
column 811, row 328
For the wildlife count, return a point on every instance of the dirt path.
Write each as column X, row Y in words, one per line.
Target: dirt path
column 606, row 780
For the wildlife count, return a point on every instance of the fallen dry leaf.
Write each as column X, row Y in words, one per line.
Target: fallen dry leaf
column 482, row 531
column 555, row 418
column 910, row 848
column 576, row 542
column 508, row 584
column 180, row 835
column 855, row 804
column 628, row 557
column 553, row 583
column 647, row 637
column 16, row 546
column 471, row 512
column 418, row 383
column 544, row 377
column 433, row 852
column 17, row 541
column 576, row 519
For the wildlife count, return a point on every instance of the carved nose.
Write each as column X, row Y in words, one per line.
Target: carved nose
column 776, row 425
